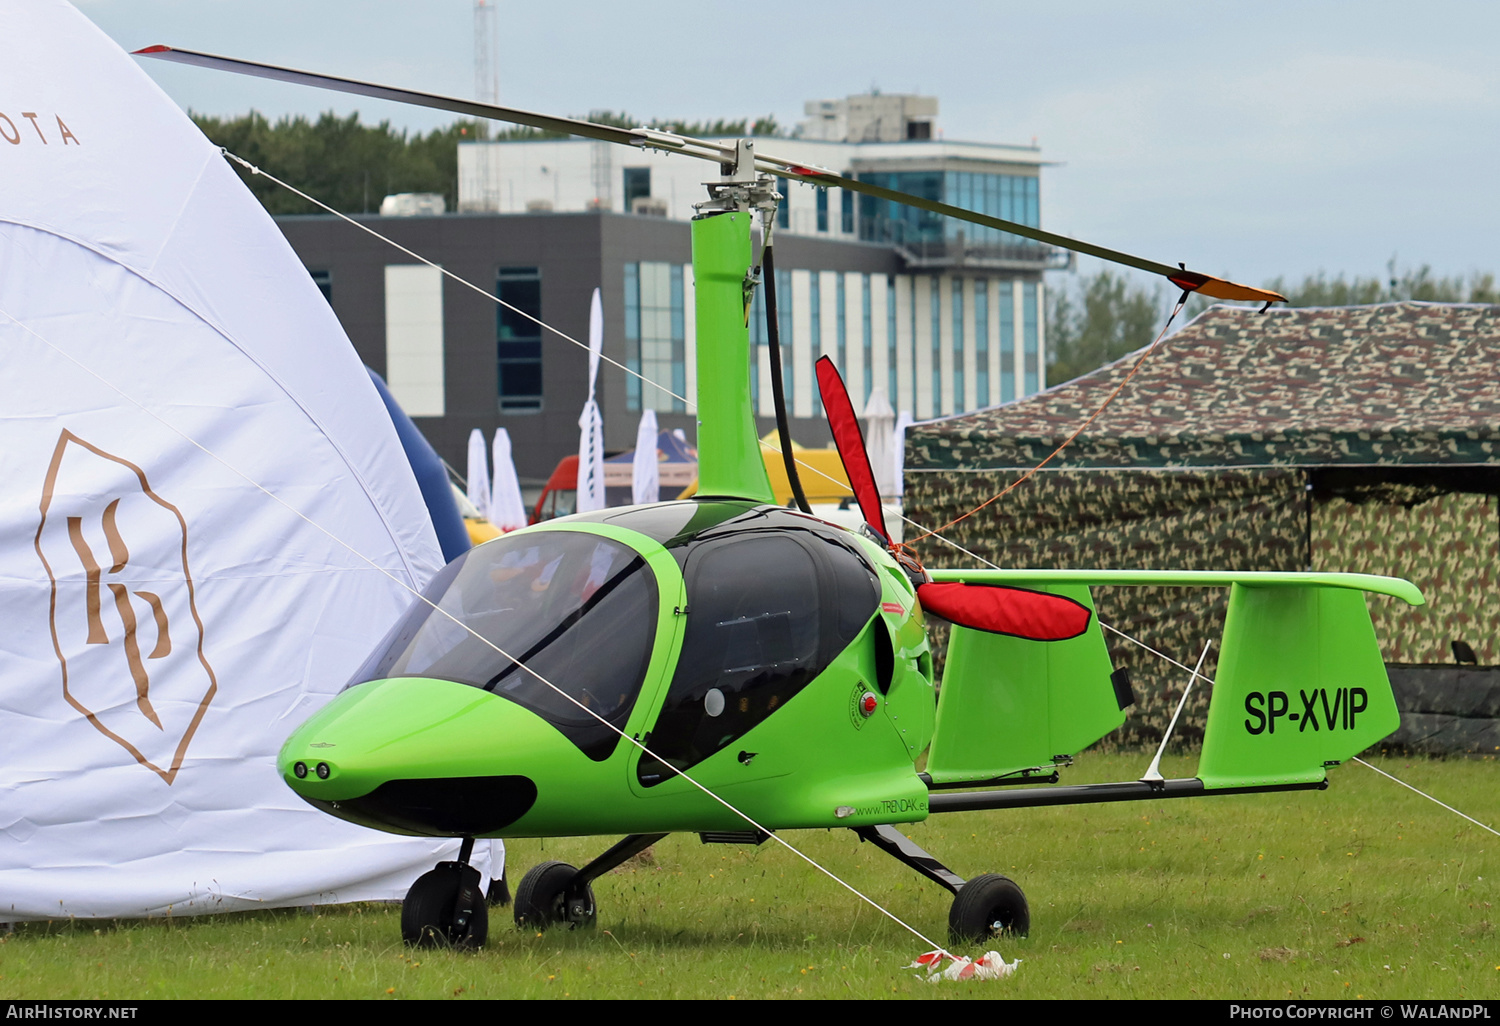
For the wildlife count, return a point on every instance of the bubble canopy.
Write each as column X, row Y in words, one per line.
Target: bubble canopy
column 773, row 597
column 577, row 610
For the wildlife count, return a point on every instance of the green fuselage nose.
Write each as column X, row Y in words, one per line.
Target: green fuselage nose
column 420, row 756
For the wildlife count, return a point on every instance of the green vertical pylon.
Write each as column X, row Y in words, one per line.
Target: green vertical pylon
column 729, row 458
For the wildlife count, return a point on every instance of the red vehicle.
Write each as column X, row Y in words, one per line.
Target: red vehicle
column 560, row 494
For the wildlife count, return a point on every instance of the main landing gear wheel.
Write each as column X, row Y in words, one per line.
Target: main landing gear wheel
column 986, row 907
column 545, row 899
column 445, row 908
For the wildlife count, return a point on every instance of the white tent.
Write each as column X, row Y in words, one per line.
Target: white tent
column 209, row 520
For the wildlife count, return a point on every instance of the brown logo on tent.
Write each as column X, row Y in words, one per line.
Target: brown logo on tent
column 124, row 622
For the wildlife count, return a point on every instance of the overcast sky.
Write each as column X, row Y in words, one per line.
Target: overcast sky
column 1255, row 139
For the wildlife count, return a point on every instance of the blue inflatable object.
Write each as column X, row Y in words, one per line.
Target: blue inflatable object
column 431, row 477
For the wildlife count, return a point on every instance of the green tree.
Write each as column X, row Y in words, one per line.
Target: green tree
column 1420, row 284
column 353, row 166
column 348, row 165
column 1109, row 316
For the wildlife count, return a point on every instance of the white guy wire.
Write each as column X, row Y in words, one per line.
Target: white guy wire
column 1429, row 797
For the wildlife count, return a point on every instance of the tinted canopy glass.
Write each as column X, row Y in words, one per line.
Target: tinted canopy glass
column 573, row 617
column 769, row 608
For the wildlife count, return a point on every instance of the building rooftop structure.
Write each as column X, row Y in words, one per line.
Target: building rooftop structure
column 887, row 139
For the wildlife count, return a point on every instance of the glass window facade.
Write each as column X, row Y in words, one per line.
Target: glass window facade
column 846, row 211
column 1012, row 197
column 637, row 185
column 958, row 346
column 840, row 324
column 1007, row 342
column 1031, row 340
column 982, row 342
column 869, row 333
column 815, row 304
column 890, row 341
column 822, row 209
column 935, row 304
column 655, row 336
column 518, row 345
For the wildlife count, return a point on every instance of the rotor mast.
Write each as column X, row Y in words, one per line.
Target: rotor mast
column 724, row 283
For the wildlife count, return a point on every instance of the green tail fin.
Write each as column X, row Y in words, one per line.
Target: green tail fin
column 1301, row 682
column 1008, row 704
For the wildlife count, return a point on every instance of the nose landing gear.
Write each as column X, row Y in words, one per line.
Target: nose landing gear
column 446, row 907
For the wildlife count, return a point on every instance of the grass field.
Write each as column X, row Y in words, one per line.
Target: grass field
column 1364, row 890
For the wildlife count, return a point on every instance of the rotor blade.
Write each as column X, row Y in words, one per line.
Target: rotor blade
column 531, row 119
column 1018, row 612
column 1188, row 281
column 850, row 442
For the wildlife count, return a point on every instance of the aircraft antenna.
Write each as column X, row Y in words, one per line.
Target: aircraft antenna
column 486, row 74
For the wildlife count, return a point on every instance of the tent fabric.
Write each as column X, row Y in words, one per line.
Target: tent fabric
column 432, row 477
column 1397, row 383
column 163, row 357
column 1351, row 439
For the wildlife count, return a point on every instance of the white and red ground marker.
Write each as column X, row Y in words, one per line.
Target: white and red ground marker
column 990, row 966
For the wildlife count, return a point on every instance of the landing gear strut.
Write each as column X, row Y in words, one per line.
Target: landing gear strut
column 983, row 908
column 446, row 907
column 556, row 894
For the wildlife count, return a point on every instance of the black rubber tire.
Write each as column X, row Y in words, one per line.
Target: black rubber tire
column 427, row 913
column 983, row 903
column 542, row 899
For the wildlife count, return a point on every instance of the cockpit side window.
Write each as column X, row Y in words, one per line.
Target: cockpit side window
column 572, row 614
column 768, row 611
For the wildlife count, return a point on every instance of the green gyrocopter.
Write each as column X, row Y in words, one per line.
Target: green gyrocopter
column 729, row 667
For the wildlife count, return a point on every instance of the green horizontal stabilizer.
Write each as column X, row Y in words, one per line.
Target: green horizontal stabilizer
column 1008, row 704
column 1393, row 586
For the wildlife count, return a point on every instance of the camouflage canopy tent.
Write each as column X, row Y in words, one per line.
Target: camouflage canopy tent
column 1354, row 438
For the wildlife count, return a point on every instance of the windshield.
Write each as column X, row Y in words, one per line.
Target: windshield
column 574, row 609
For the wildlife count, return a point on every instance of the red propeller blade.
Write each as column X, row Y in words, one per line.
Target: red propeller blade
column 850, row 442
column 1033, row 615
